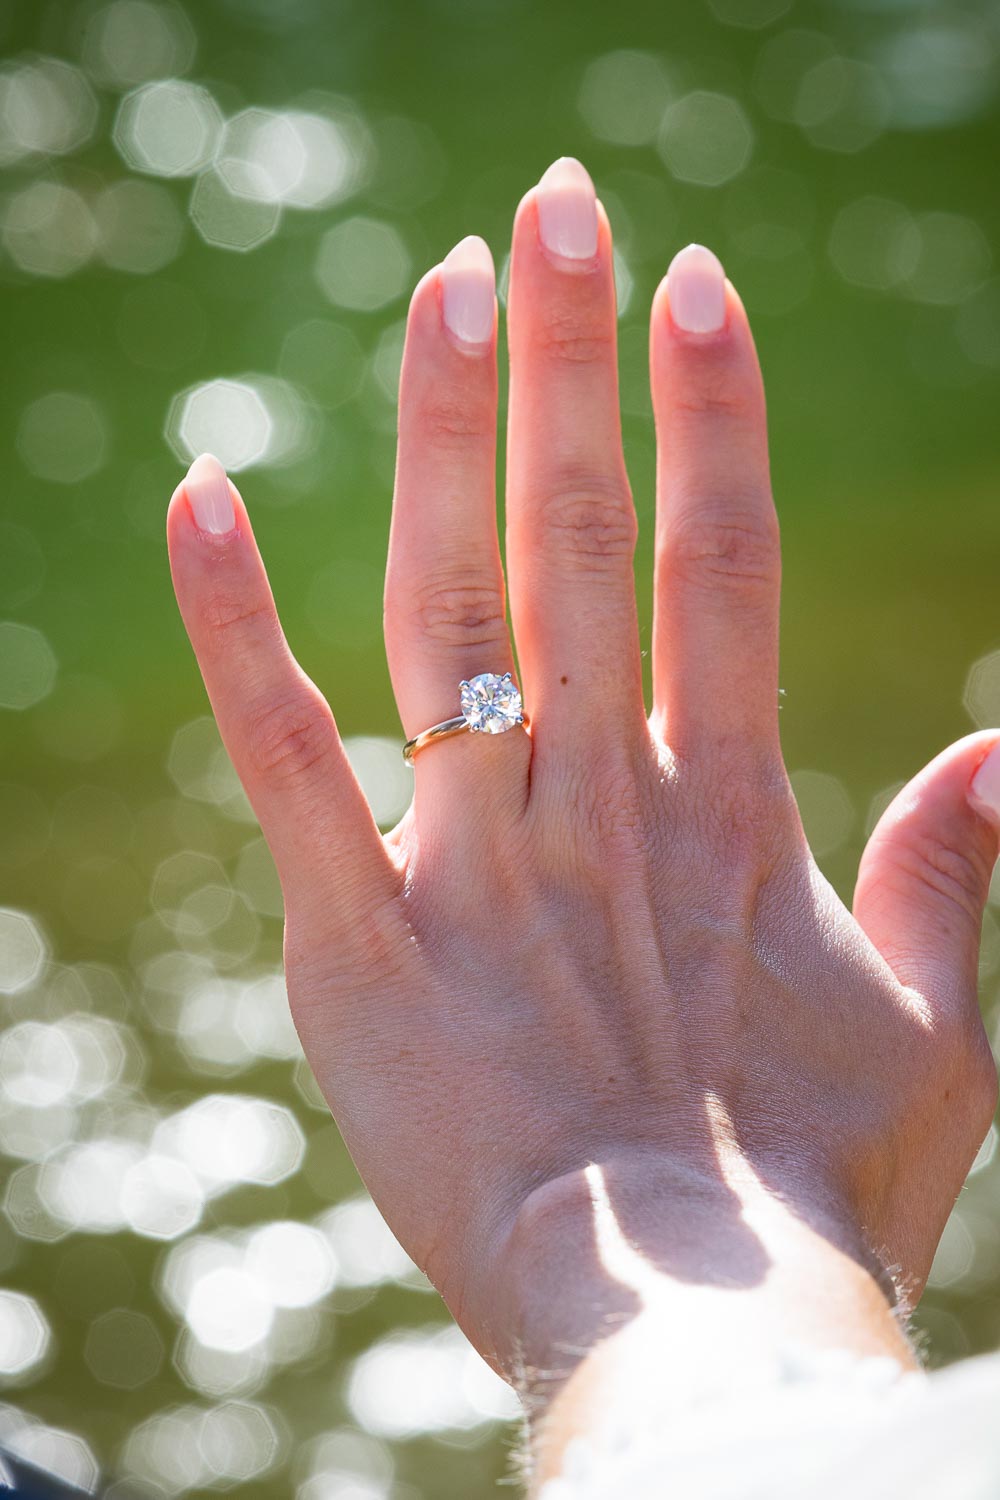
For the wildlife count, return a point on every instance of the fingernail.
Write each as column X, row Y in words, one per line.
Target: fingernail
column 567, row 210
column 468, row 287
column 208, row 495
column 984, row 788
column 696, row 287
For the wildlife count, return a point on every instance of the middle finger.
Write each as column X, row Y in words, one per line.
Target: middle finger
column 571, row 524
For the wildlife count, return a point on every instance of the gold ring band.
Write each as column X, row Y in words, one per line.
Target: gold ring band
column 443, row 731
column 440, row 731
column 491, row 704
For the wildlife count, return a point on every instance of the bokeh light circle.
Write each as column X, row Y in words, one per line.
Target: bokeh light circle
column 705, row 138
column 623, row 96
column 48, row 229
column 24, row 1334
column 362, row 264
column 170, row 128
column 63, row 437
column 28, row 666
column 130, row 41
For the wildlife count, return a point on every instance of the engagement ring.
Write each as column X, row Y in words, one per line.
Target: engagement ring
column 490, row 705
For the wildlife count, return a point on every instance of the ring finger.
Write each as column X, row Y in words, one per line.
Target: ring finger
column 445, row 617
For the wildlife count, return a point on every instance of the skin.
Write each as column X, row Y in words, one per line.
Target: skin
column 611, row 1055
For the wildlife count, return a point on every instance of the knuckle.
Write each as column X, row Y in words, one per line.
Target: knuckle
column 738, row 554
column 613, row 811
column 716, row 393
column 744, row 810
column 593, row 519
column 566, row 336
column 460, row 612
column 289, row 737
column 749, row 834
column 950, row 873
column 451, row 419
column 227, row 610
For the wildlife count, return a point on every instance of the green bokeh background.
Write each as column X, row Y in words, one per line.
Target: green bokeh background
column 883, row 402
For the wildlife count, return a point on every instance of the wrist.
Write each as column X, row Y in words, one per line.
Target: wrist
column 592, row 1250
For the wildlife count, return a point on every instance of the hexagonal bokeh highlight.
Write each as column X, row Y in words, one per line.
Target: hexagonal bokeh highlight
column 161, row 1198
column 217, row 1372
column 623, row 95
column 385, row 779
column 26, row 1210
column 130, row 41
column 874, row 242
column 195, row 1447
column 953, row 259
column 83, row 1186
column 38, row 1065
column 24, row 1335
column 123, row 1349
column 191, row 892
column 62, row 437
column 981, row 695
column 224, row 417
column 229, row 1309
column 170, row 128
column 842, row 104
column 238, row 1442
column 705, row 138
column 140, row 228
column 826, row 810
column 347, row 1460
column 335, row 160
column 23, row 950
column 48, row 229
column 63, row 1455
column 228, row 220
column 362, row 264
column 232, row 1138
column 293, row 1262
column 366, row 1251
column 244, row 421
column 879, row 804
column 27, row 666
column 200, row 768
column 257, row 879
column 261, row 156
column 940, row 71
column 47, row 108
column 423, row 1381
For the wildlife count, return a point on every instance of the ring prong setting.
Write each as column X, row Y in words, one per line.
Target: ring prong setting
column 490, row 704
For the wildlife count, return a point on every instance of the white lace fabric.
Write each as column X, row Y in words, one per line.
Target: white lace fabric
column 825, row 1425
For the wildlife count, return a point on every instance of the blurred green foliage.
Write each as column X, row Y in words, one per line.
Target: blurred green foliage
column 156, row 240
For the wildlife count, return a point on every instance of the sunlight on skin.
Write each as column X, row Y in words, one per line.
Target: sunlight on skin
column 621, row 1260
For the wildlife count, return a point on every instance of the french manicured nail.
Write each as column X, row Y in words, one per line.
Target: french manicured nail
column 567, row 210
column 209, row 497
column 696, row 287
column 468, row 288
column 984, row 788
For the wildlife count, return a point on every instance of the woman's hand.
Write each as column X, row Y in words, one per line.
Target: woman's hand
column 594, row 977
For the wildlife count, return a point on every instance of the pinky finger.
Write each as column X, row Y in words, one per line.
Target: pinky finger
column 275, row 723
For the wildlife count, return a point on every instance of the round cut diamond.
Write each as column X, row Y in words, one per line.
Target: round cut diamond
column 491, row 704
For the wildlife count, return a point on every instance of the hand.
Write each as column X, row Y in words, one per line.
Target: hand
column 595, row 968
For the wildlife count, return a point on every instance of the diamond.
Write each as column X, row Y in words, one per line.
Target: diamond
column 491, row 704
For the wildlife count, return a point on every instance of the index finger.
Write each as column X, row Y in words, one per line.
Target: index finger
column 275, row 723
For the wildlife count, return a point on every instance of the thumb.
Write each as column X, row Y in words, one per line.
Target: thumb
column 925, row 874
